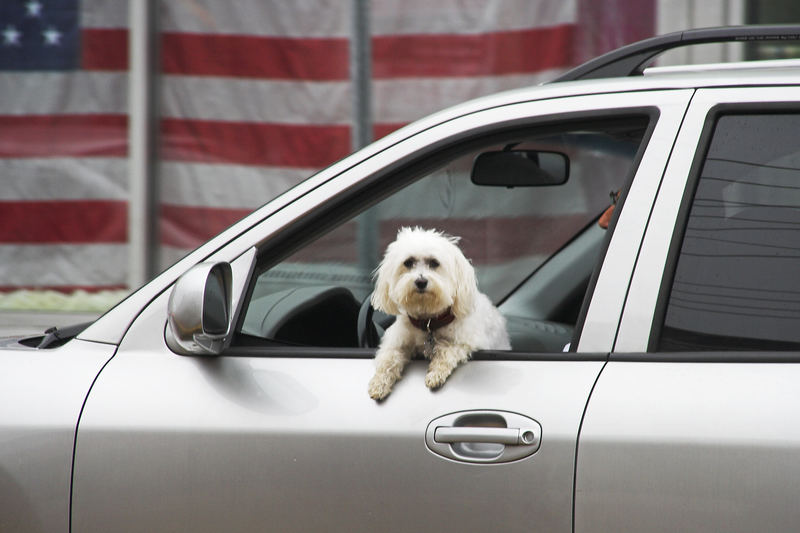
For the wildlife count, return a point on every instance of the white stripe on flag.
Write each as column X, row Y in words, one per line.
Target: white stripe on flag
column 322, row 18
column 398, row 101
column 44, row 93
column 275, row 101
column 70, row 265
column 229, row 186
column 63, row 178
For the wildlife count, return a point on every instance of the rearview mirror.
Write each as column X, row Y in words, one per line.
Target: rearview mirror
column 199, row 310
column 520, row 168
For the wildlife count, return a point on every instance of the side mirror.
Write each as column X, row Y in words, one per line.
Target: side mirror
column 199, row 310
column 520, row 168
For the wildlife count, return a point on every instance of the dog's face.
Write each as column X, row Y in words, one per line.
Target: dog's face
column 423, row 273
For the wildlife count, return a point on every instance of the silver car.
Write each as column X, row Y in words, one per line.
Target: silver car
column 653, row 382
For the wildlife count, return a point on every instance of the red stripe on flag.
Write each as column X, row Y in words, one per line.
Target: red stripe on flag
column 242, row 56
column 251, row 143
column 62, row 288
column 104, row 49
column 246, row 143
column 382, row 130
column 327, row 59
column 105, row 221
column 63, row 221
column 509, row 52
column 190, row 226
column 245, row 56
column 63, row 135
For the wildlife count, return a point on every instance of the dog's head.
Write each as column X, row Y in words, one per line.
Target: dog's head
column 423, row 273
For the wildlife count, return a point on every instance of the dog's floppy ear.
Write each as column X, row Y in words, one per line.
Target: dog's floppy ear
column 381, row 300
column 466, row 285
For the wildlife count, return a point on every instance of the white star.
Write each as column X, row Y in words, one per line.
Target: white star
column 11, row 36
column 34, row 8
column 52, row 37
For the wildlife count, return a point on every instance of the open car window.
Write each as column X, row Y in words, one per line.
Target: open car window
column 511, row 220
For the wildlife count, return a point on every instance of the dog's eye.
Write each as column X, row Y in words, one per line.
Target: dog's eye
column 433, row 263
column 408, row 263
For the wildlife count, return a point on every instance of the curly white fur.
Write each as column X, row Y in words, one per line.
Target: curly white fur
column 423, row 275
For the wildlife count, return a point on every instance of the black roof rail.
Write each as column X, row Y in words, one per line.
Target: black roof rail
column 631, row 59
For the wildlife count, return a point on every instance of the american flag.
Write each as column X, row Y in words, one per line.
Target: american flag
column 254, row 96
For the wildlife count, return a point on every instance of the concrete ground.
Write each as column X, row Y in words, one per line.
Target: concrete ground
column 27, row 322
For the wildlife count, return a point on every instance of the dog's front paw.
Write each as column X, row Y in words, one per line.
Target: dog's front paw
column 441, row 367
column 379, row 387
column 435, row 378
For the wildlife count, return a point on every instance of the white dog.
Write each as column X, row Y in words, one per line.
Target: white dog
column 430, row 286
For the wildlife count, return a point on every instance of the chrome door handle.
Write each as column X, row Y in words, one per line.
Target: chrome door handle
column 510, row 436
column 485, row 436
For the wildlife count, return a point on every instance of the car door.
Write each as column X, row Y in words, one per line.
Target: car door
column 283, row 437
column 694, row 424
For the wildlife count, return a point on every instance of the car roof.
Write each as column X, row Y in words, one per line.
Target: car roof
column 772, row 73
column 745, row 74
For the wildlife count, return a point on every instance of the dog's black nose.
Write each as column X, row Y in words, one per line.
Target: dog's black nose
column 421, row 283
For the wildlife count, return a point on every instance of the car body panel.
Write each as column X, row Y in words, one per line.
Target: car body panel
column 712, row 434
column 239, row 444
column 42, row 393
column 691, row 447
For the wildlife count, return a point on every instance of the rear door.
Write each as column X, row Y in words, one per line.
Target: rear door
column 694, row 424
column 279, row 433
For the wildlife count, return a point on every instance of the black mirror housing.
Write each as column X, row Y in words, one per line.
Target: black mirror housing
column 520, row 168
